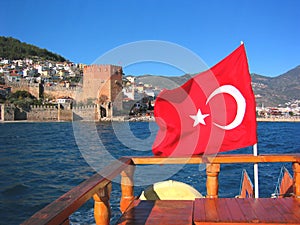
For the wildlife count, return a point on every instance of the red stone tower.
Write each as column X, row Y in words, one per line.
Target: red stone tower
column 102, row 84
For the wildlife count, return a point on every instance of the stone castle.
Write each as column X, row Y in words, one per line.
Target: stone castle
column 103, row 84
column 100, row 96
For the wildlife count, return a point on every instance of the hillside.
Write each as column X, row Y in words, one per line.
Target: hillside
column 269, row 91
column 277, row 90
column 11, row 48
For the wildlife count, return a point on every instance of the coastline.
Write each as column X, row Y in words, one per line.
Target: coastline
column 148, row 119
column 143, row 119
column 279, row 119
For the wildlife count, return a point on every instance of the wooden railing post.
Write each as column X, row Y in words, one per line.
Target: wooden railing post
column 102, row 206
column 127, row 187
column 296, row 169
column 212, row 182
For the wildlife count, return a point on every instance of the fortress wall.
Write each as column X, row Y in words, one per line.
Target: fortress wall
column 33, row 89
column 116, row 91
column 49, row 113
column 53, row 91
column 96, row 80
column 7, row 112
column 42, row 113
column 65, row 115
column 73, row 93
column 86, row 113
column 20, row 114
column 100, row 81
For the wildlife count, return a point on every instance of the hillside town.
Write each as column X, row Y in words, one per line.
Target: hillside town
column 103, row 89
column 35, row 71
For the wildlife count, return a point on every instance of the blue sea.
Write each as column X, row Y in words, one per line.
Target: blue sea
column 41, row 161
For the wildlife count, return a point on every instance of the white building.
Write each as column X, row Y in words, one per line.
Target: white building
column 64, row 100
column 131, row 79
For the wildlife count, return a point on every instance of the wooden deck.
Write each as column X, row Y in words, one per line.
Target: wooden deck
column 213, row 211
column 247, row 210
column 227, row 211
column 159, row 212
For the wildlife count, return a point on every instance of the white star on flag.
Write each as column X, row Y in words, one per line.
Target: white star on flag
column 199, row 118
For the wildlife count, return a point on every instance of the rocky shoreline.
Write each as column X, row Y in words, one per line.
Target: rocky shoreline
column 152, row 119
column 279, row 119
column 129, row 118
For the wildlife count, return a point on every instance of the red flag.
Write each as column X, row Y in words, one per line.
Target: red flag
column 212, row 112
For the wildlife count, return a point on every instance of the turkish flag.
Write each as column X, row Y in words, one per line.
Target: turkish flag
column 212, row 112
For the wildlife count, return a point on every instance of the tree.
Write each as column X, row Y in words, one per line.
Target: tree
column 23, row 99
column 11, row 48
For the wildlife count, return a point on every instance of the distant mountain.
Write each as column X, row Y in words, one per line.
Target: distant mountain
column 273, row 91
column 11, row 48
column 269, row 91
column 163, row 81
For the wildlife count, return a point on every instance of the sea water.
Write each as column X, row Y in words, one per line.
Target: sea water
column 41, row 161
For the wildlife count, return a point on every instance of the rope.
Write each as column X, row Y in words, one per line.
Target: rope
column 277, row 189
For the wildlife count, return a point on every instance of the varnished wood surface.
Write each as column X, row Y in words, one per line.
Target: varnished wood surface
column 248, row 210
column 161, row 212
column 59, row 210
column 220, row 158
column 213, row 211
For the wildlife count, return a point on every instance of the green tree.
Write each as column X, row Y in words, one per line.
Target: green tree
column 23, row 99
column 11, row 48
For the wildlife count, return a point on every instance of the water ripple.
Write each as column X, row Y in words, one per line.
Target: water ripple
column 41, row 161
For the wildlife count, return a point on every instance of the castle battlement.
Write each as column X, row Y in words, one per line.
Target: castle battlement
column 22, row 84
column 43, row 107
column 60, row 88
column 103, row 68
column 84, row 107
column 101, row 84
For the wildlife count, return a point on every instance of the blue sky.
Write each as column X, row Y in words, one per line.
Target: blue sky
column 82, row 31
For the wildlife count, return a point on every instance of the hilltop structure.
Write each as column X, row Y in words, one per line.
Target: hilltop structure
column 102, row 84
column 102, row 92
column 101, row 87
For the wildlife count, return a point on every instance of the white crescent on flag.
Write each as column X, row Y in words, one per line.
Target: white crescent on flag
column 240, row 101
column 220, row 101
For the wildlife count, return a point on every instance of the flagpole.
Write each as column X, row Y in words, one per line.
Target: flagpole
column 256, row 191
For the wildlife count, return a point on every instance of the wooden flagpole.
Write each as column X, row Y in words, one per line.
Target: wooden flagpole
column 256, row 190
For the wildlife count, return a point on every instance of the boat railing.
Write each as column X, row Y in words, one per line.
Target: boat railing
column 99, row 187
